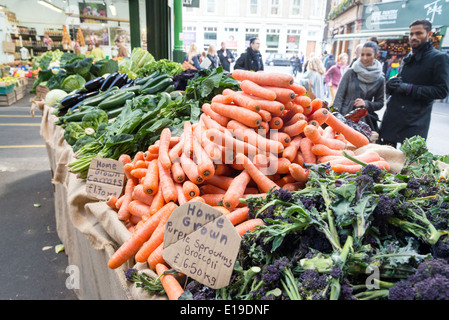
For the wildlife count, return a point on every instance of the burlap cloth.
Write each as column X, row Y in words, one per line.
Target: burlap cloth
column 89, row 229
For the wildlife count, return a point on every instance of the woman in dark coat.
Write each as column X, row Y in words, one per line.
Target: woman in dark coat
column 363, row 86
column 424, row 77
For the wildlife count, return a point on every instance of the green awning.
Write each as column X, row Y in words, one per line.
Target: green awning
column 379, row 34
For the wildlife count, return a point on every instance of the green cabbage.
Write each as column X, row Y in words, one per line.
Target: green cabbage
column 54, row 96
column 73, row 82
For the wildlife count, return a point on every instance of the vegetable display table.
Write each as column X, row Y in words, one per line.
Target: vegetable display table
column 89, row 230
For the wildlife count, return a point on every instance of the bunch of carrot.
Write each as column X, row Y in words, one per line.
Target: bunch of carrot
column 246, row 143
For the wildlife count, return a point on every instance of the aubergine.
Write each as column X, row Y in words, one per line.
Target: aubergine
column 71, row 100
column 120, row 81
column 94, row 84
column 108, row 81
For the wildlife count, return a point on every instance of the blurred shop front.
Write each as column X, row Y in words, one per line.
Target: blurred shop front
column 389, row 23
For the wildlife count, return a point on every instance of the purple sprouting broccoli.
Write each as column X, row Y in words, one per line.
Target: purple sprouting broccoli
column 373, row 171
column 429, row 282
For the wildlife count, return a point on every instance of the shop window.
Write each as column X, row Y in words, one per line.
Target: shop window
column 272, row 42
column 316, row 8
column 293, row 38
column 296, row 8
column 254, row 7
column 210, row 37
column 275, row 7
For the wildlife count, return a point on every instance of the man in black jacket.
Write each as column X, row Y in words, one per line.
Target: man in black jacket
column 251, row 59
column 424, row 77
column 226, row 57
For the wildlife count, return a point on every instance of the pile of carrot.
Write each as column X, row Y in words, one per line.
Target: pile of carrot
column 246, row 143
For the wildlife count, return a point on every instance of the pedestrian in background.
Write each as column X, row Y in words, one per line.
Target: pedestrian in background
column 363, row 86
column 330, row 62
column 122, row 51
column 192, row 58
column 226, row 57
column 98, row 53
column 334, row 74
column 297, row 64
column 313, row 81
column 252, row 58
column 211, row 60
column 423, row 78
column 357, row 52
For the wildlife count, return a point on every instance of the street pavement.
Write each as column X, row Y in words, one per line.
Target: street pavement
column 30, row 267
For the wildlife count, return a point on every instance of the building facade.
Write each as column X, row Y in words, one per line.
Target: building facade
column 283, row 26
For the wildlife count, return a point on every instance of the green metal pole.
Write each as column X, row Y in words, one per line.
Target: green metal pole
column 178, row 52
column 134, row 23
column 157, row 28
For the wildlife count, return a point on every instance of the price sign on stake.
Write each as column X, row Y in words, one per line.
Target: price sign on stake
column 202, row 243
column 105, row 178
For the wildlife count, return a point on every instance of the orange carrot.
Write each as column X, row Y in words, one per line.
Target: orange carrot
column 171, row 286
column 298, row 172
column 123, row 213
column 264, row 78
column 211, row 123
column 294, row 186
column 283, row 95
column 164, row 159
column 241, row 100
column 303, row 101
column 274, row 107
column 248, row 135
column 156, row 238
column 190, row 190
column 158, row 201
column 138, row 156
column 353, row 168
column 266, row 116
column 323, row 150
column 228, row 141
column 222, row 169
column 197, row 199
column 284, row 180
column 137, row 239
column 276, row 123
column 282, row 137
column 254, row 89
column 177, row 172
column 214, row 115
column 306, row 151
column 206, row 167
column 263, row 182
column 209, row 188
column 138, row 208
column 368, row 157
column 111, row 202
column 119, row 202
column 155, row 257
column 316, row 104
column 236, row 190
column 220, row 182
column 245, row 116
column 151, row 184
column 181, row 198
column 213, row 150
column 315, row 136
column 141, row 195
column 223, row 98
column 248, row 225
column 296, row 117
column 299, row 158
column 355, row 137
column 298, row 89
column 291, row 150
column 238, row 215
column 175, row 152
column 190, row 169
column 212, row 199
column 320, row 115
column 188, row 139
column 128, row 167
column 295, row 129
column 282, row 165
column 124, row 158
column 167, row 185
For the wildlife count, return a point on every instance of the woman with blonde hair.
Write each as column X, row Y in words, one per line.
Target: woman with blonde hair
column 211, row 60
column 313, row 81
column 191, row 60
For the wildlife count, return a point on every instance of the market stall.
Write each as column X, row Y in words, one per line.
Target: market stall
column 207, row 185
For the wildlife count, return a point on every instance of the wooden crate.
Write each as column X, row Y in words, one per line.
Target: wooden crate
column 42, row 91
column 20, row 92
column 8, row 99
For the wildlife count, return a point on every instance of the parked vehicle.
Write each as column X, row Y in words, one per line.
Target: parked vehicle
column 278, row 59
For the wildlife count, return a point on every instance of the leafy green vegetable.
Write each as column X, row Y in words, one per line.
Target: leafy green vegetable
column 94, row 119
column 73, row 82
column 163, row 66
column 79, row 66
column 73, row 132
column 105, row 66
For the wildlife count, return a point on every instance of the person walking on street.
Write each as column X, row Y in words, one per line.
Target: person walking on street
column 192, row 58
column 122, row 51
column 330, row 62
column 226, row 57
column 297, row 64
column 423, row 78
column 357, row 52
column 363, row 86
column 334, row 74
column 211, row 60
column 98, row 53
column 313, row 81
column 251, row 59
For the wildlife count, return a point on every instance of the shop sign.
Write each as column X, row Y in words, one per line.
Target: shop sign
column 392, row 15
column 191, row 3
column 105, row 178
column 202, row 243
